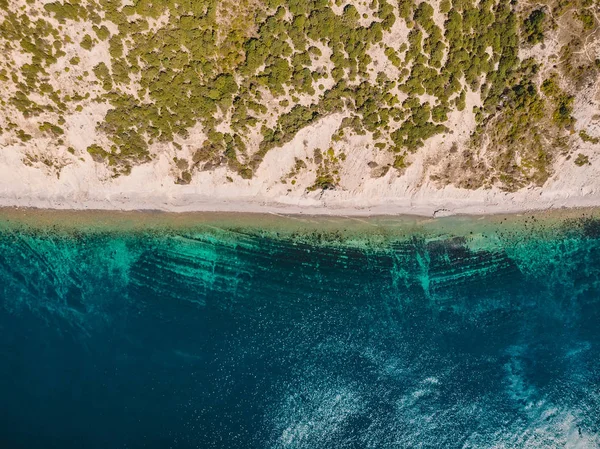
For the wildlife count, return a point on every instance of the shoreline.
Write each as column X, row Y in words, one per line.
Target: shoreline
column 372, row 229
column 329, row 203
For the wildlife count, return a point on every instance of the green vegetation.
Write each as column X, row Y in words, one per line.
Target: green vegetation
column 587, row 138
column 581, row 160
column 520, row 139
column 298, row 167
column 327, row 177
column 87, row 43
column 52, row 129
column 586, row 17
column 102, row 32
column 533, row 30
column 24, row 136
column 234, row 70
column 97, row 152
column 563, row 102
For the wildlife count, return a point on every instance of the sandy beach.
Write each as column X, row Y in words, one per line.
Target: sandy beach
column 86, row 185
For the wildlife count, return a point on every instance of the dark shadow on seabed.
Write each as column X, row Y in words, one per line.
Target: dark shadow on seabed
column 231, row 331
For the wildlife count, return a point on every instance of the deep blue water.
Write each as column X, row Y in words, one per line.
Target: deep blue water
column 236, row 340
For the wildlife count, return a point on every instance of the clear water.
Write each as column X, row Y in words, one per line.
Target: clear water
column 219, row 339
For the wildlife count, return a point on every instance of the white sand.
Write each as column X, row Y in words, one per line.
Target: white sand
column 86, row 185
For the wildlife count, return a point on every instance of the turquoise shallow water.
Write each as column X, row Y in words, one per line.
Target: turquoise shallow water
column 235, row 337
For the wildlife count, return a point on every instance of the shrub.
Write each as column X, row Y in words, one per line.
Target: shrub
column 586, row 18
column 562, row 114
column 582, row 160
column 97, row 152
column 102, row 32
column 24, row 136
column 115, row 47
column 87, row 43
column 587, row 138
column 49, row 127
column 533, row 31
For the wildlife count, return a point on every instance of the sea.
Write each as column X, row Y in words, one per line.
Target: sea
column 155, row 330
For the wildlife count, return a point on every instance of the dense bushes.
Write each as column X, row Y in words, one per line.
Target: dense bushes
column 533, row 27
column 244, row 67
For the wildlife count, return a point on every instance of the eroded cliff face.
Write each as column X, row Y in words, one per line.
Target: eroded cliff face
column 295, row 97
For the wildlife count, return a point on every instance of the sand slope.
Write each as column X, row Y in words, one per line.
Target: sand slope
column 87, row 185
